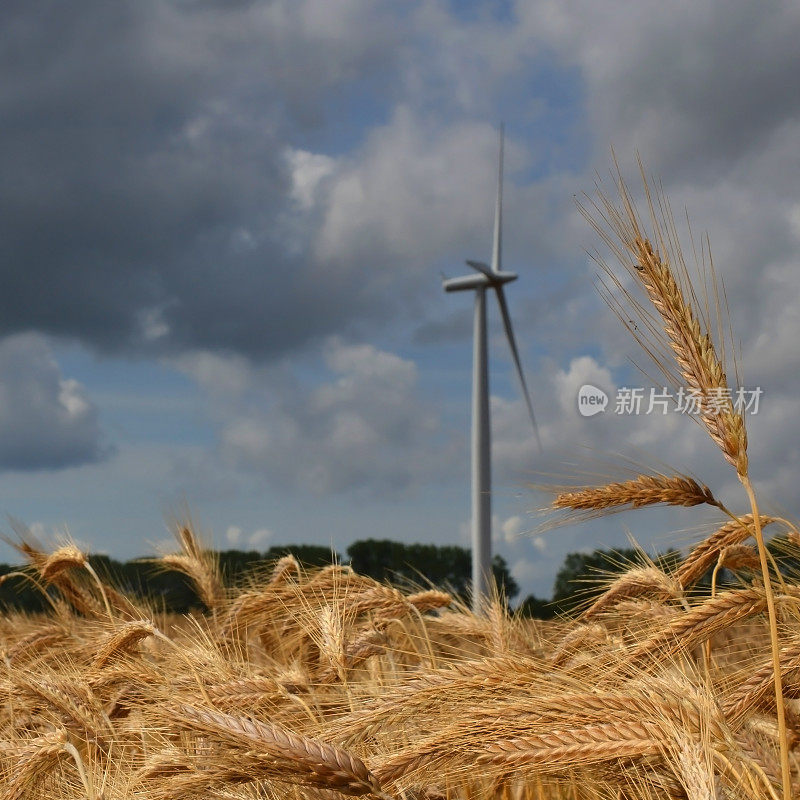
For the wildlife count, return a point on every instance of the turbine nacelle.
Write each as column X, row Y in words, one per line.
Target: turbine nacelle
column 485, row 277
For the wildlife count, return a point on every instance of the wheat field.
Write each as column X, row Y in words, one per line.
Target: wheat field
column 325, row 684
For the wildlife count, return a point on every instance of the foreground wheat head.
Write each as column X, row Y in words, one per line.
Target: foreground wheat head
column 677, row 332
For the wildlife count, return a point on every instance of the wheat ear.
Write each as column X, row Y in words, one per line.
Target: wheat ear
column 705, row 555
column 35, row 642
column 753, row 694
column 558, row 749
column 199, row 565
column 635, row 583
column 37, row 758
column 121, row 640
column 686, row 630
column 284, row 567
column 698, row 364
column 644, row 490
column 320, row 763
column 80, row 600
column 66, row 558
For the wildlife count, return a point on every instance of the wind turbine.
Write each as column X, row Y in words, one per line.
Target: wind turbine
column 487, row 277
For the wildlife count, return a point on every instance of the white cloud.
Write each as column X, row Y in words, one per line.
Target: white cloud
column 380, row 203
column 218, row 375
column 46, row 421
column 366, row 361
column 512, row 528
column 72, row 399
column 525, row 570
column 233, row 535
column 250, row 439
column 308, row 170
column 364, row 428
column 675, row 80
column 152, row 324
column 555, row 400
column 260, row 537
column 257, row 540
column 581, row 370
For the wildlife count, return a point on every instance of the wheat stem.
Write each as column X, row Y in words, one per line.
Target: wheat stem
column 773, row 639
column 85, row 778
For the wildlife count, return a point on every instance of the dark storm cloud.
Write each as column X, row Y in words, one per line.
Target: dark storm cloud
column 726, row 78
column 695, row 86
column 144, row 173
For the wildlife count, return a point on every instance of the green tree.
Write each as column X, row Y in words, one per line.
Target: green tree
column 583, row 576
column 446, row 566
column 536, row 607
column 309, row 555
column 17, row 593
column 235, row 564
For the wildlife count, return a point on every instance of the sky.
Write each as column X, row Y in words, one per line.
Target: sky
column 224, row 226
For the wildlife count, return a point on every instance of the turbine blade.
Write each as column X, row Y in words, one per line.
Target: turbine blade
column 512, row 343
column 497, row 244
column 480, row 267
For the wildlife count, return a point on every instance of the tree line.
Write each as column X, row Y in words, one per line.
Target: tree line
column 446, row 566
column 581, row 576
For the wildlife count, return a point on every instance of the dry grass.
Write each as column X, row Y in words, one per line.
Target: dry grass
column 328, row 684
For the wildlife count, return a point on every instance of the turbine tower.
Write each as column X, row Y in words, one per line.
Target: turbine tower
column 487, row 277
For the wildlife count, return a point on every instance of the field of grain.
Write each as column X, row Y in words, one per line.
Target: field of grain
column 322, row 684
column 325, row 684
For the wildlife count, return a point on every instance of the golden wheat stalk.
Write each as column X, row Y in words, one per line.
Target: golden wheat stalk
column 569, row 748
column 242, row 691
column 685, row 339
column 635, row 583
column 367, row 644
column 284, row 567
column 75, row 595
column 38, row 756
column 738, row 557
column 754, row 694
column 429, row 600
column 644, row 490
column 705, row 555
column 319, row 763
column 199, row 565
column 686, row 630
column 694, row 353
column 555, row 750
column 122, row 640
column 577, row 639
column 74, row 702
column 35, row 642
column 699, row 367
